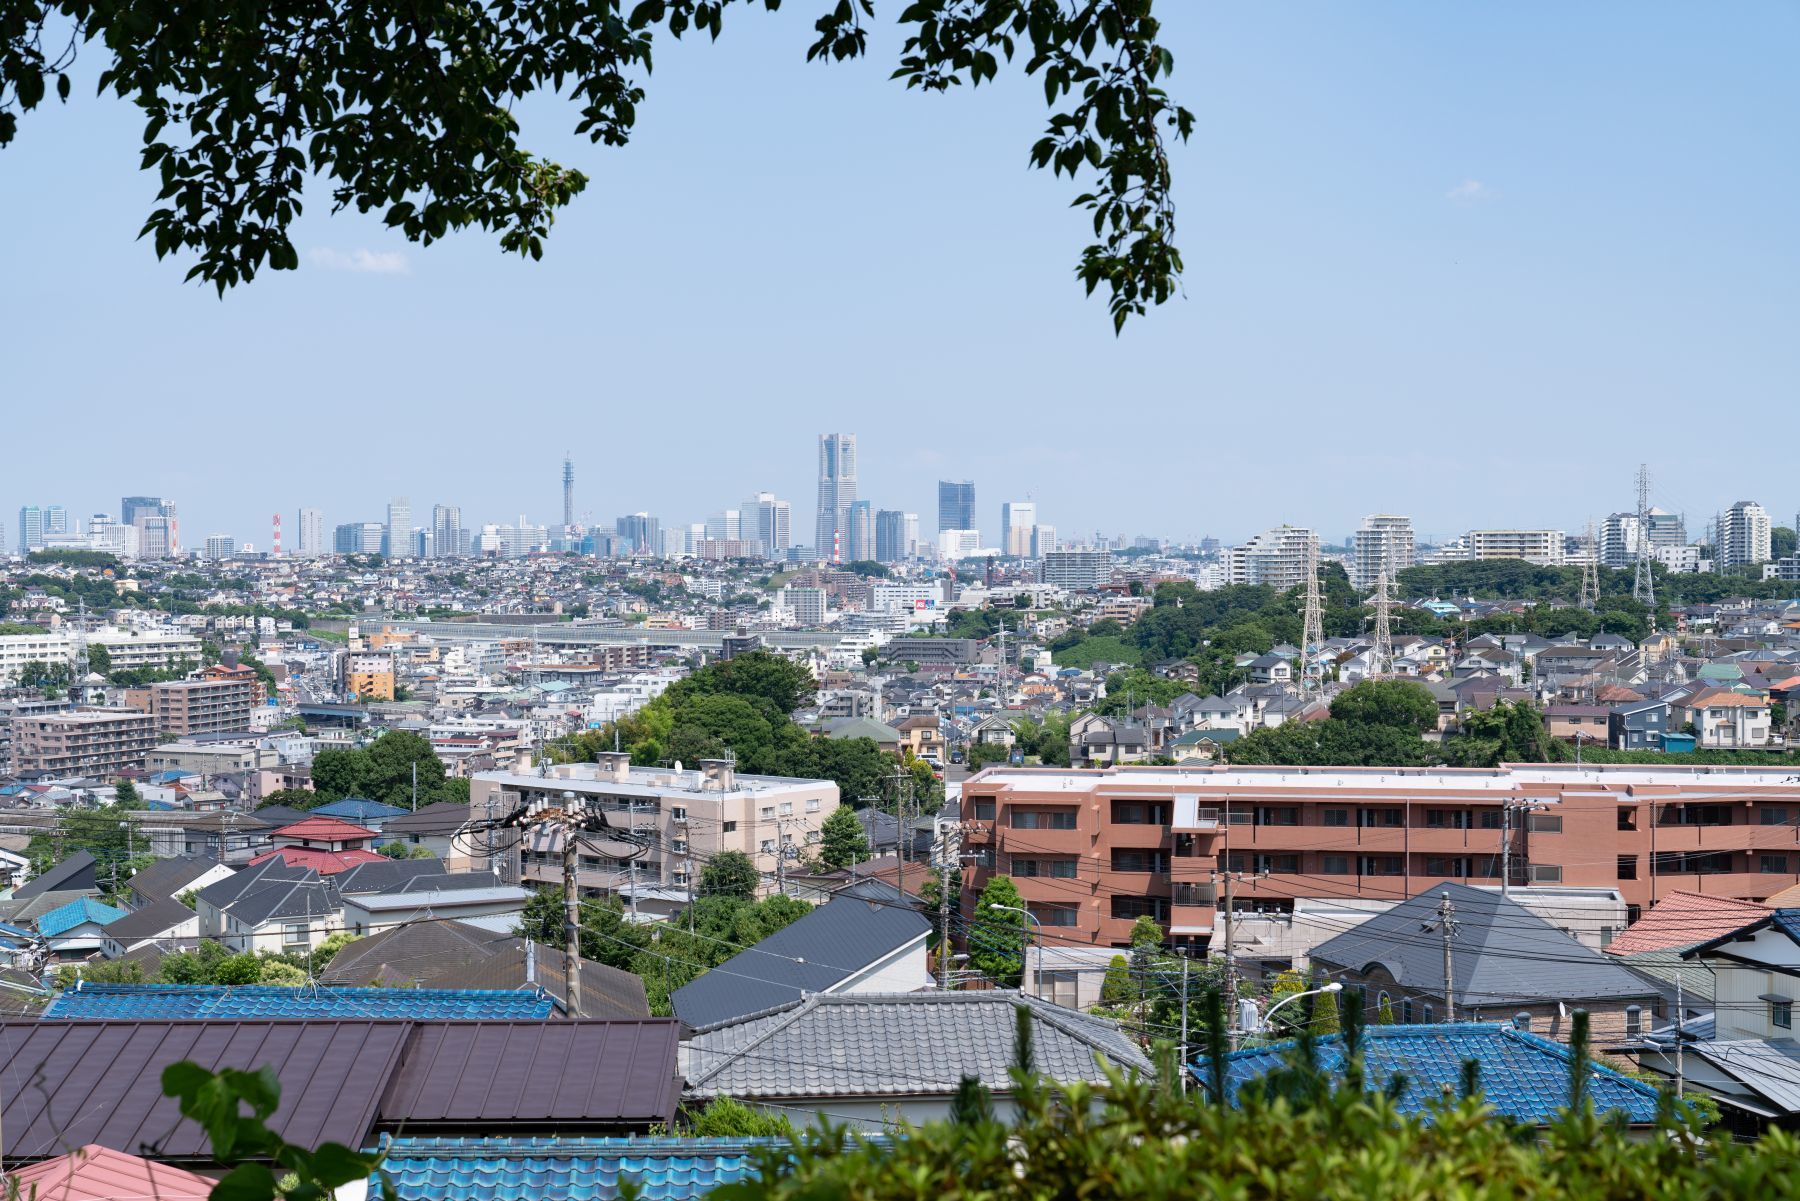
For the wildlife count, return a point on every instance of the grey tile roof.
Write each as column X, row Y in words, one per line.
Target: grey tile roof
column 858, row 927
column 1770, row 1068
column 76, row 873
column 898, row 1044
column 167, row 878
column 154, row 919
column 1502, row 953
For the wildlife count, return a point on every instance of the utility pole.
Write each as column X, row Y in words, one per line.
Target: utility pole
column 1680, row 1065
column 948, row 846
column 571, row 911
column 415, row 786
column 1228, row 879
column 1444, row 924
column 1182, row 1059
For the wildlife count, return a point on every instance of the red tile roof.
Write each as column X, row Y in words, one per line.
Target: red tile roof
column 326, row 829
column 1686, row 919
column 96, row 1173
column 326, row 863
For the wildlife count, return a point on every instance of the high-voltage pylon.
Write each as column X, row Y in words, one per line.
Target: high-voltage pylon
column 1590, row 572
column 1383, row 658
column 1643, row 588
column 1312, row 633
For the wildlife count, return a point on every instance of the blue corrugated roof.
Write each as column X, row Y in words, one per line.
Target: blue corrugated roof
column 523, row 1169
column 1522, row 1076
column 356, row 808
column 96, row 1002
column 69, row 916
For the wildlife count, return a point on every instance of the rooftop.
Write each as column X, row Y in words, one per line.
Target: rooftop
column 131, row 1002
column 528, row 1169
column 1505, row 778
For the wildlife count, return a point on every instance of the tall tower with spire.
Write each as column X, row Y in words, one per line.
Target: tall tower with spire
column 568, row 493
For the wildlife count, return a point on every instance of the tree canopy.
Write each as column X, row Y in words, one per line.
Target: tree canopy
column 411, row 115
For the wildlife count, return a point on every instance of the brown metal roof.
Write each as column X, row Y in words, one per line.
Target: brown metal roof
column 65, row 1084
column 533, row 1073
column 69, row 1083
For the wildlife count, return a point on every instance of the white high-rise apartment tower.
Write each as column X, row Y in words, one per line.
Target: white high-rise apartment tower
column 1382, row 546
column 1744, row 535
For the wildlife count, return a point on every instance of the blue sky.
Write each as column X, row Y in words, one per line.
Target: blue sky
column 1466, row 262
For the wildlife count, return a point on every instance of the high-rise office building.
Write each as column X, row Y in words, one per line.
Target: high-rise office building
column 1382, row 546
column 447, row 540
column 1744, row 535
column 837, row 492
column 132, row 507
column 31, row 529
column 1043, row 540
column 891, row 543
column 359, row 538
column 956, row 505
column 638, row 534
column 770, row 522
column 397, row 543
column 309, row 531
column 859, row 544
column 725, row 525
column 1016, row 519
column 56, row 520
column 154, row 518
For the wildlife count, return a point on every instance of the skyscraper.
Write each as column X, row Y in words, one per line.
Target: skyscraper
column 956, row 505
column 154, row 517
column 309, row 533
column 1016, row 519
column 131, row 507
column 1744, row 535
column 1383, row 546
column 396, row 543
column 859, row 545
column 837, row 491
column 639, row 534
column 769, row 521
column 890, row 536
column 446, row 531
column 31, row 529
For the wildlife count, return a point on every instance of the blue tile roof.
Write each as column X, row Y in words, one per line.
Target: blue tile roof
column 75, row 913
column 96, row 1002
column 526, row 1169
column 1522, row 1076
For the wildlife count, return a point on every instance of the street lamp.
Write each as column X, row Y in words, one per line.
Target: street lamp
column 1039, row 990
column 1335, row 986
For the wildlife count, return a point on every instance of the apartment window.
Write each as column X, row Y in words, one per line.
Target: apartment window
column 1634, row 1021
column 678, row 812
column 1057, row 914
column 1546, row 873
column 768, row 846
column 680, row 879
column 1029, row 868
column 1334, row 865
column 1381, row 817
column 1774, row 815
column 787, row 808
column 812, row 805
column 767, row 812
column 1380, row 865
column 728, row 827
column 1695, row 815
column 1627, row 867
column 1132, row 860
column 1140, row 813
column 1136, row 907
column 679, row 845
column 1043, row 819
column 812, row 836
column 1544, row 823
column 1492, row 819
column 1772, row 864
column 1627, row 819
column 984, row 809
column 982, row 857
column 1277, row 815
column 1334, row 817
column 1454, row 867
column 1060, row 988
column 1446, row 819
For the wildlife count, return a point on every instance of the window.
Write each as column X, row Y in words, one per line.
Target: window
column 1129, row 813
column 1136, row 907
column 729, row 827
column 812, row 804
column 1634, row 1021
column 1428, row 1015
column 812, row 836
column 1334, row 817
column 1607, row 934
column 1334, row 865
column 1043, row 819
column 1058, row 915
column 678, row 845
column 767, row 812
column 1446, row 819
column 1774, row 815
column 1062, row 869
column 1546, row 873
column 1381, row 817
column 1277, row 815
column 1492, row 819
column 982, row 857
column 296, row 934
column 1544, row 823
column 1452, row 867
column 1131, row 860
column 1406, row 1011
column 1772, row 864
column 1627, row 867
column 1781, row 1014
column 984, row 809
column 787, row 808
column 1061, row 988
column 678, row 812
column 1695, row 815
column 1627, row 819
column 1380, row 865
column 768, row 846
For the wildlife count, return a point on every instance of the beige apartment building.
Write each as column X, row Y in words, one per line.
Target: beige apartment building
column 102, row 743
column 186, row 707
column 686, row 816
column 1093, row 850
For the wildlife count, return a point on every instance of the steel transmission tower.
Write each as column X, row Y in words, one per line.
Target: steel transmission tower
column 1312, row 635
column 1643, row 588
column 1590, row 572
column 1384, row 634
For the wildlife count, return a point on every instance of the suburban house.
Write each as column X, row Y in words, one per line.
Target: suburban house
column 1522, row 1076
column 463, row 896
column 457, row 955
column 167, row 879
column 868, row 938
column 270, row 906
column 436, row 828
column 1097, row 741
column 1653, row 946
column 74, row 874
column 146, row 924
column 873, row 1060
column 923, row 735
column 1507, row 964
column 77, row 930
column 1724, row 719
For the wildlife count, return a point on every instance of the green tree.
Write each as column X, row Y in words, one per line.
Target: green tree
column 726, row 1117
column 1781, row 542
column 1402, row 704
column 1325, row 1015
column 295, row 798
column 730, row 874
column 997, row 936
column 841, row 839
column 1115, row 988
column 1287, row 984
column 125, row 795
column 99, row 658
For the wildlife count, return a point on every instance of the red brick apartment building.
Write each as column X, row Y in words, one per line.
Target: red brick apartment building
column 1092, row 850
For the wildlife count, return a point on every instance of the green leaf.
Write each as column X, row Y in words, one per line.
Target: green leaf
column 246, row 1182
